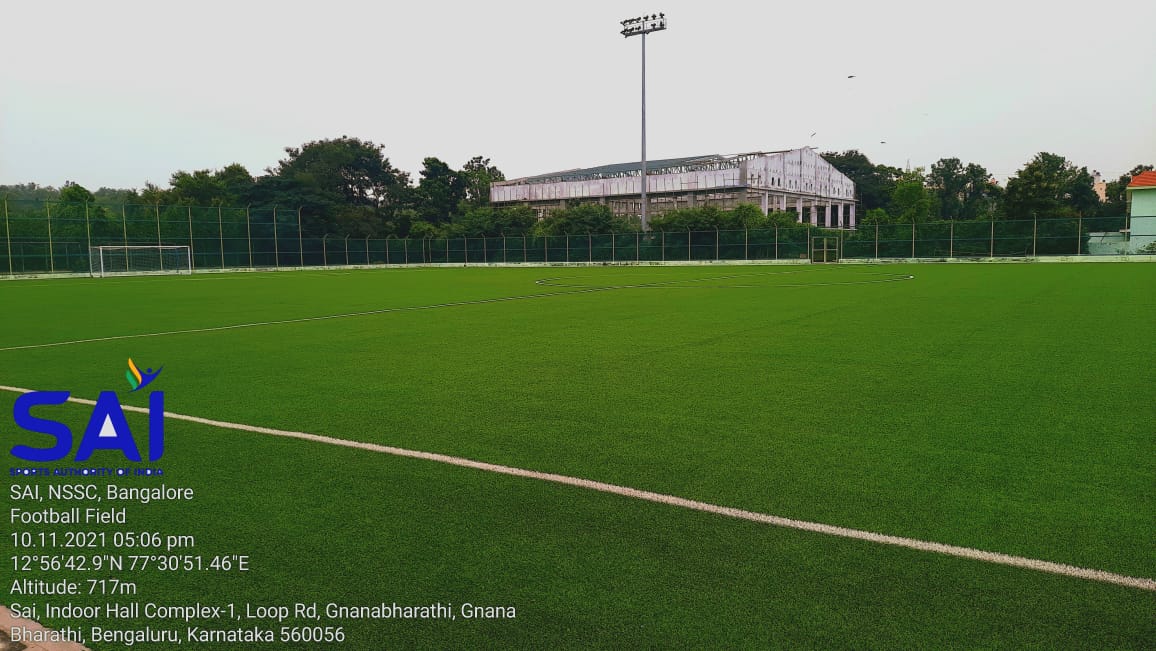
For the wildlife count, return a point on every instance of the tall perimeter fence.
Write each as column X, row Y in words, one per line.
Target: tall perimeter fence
column 53, row 237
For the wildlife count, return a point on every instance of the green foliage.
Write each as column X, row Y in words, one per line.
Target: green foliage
column 1050, row 186
column 709, row 218
column 439, row 192
column 582, row 219
column 911, row 203
column 876, row 216
column 1115, row 204
column 477, row 175
column 874, row 184
column 421, row 229
column 487, row 221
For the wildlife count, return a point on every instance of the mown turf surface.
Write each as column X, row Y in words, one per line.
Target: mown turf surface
column 1003, row 407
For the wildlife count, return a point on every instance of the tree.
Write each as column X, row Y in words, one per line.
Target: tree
column 200, row 188
column 1050, row 186
column 873, row 183
column 477, row 176
column 1115, row 204
column 981, row 194
column 586, row 218
column 328, row 178
column 910, row 201
column 948, row 182
column 439, row 192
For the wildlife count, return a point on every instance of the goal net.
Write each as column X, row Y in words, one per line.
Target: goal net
column 128, row 260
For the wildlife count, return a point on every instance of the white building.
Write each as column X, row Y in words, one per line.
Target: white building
column 797, row 180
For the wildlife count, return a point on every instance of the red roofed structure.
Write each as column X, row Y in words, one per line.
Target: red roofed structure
column 1143, row 180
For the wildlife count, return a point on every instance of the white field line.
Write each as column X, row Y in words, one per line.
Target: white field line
column 325, row 317
column 574, row 289
column 671, row 500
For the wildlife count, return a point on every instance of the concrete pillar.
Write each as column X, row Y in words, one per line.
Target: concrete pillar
column 839, row 216
column 851, row 223
column 814, row 214
column 766, row 200
column 799, row 208
column 782, row 203
column 827, row 216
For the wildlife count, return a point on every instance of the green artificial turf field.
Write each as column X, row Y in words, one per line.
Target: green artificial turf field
column 1006, row 408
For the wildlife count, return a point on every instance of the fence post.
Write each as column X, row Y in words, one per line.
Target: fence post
column 51, row 260
column 221, row 235
column 347, row 250
column 776, row 241
column 637, row 245
column 546, row 248
column 249, row 235
column 567, row 248
column 613, row 247
column 405, row 250
column 951, row 239
column 912, row 240
column 124, row 224
column 991, row 242
column 689, row 237
column 276, row 245
column 485, row 251
column 88, row 230
column 1033, row 235
column 466, row 249
column 324, row 251
column 1079, row 234
column 716, row 253
column 876, row 240
column 663, row 247
column 192, row 247
column 8, row 236
column 504, row 248
column 367, row 249
column 447, row 251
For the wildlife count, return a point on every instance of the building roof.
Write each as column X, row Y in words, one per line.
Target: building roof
column 688, row 163
column 1143, row 180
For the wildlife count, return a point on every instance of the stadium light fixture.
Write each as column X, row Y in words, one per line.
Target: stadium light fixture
column 633, row 27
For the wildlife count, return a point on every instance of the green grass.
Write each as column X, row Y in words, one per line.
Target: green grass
column 1002, row 407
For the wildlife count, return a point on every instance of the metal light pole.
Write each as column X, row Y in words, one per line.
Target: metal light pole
column 633, row 27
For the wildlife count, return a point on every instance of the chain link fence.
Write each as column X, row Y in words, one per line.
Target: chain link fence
column 53, row 237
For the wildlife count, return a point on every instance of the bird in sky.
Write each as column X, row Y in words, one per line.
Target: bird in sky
column 813, row 133
column 850, row 76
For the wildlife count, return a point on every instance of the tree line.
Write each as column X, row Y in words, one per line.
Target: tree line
column 347, row 186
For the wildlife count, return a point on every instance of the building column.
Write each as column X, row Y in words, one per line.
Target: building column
column 852, row 219
column 839, row 216
column 814, row 214
column 799, row 208
column 766, row 200
column 782, row 203
column 827, row 216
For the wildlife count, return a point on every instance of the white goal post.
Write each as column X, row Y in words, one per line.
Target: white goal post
column 134, row 260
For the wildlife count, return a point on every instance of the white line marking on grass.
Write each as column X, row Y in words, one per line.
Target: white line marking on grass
column 676, row 283
column 326, row 317
column 671, row 500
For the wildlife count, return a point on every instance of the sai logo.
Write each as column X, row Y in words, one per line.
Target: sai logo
column 107, row 428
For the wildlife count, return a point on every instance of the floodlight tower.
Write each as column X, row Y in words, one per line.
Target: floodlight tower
column 633, row 27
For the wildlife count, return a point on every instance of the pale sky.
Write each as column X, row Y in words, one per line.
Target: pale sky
column 116, row 93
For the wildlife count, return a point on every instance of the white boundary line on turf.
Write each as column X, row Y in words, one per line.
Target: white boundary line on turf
column 671, row 500
column 306, row 319
column 575, row 289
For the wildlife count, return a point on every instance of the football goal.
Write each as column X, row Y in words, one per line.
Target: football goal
column 129, row 260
